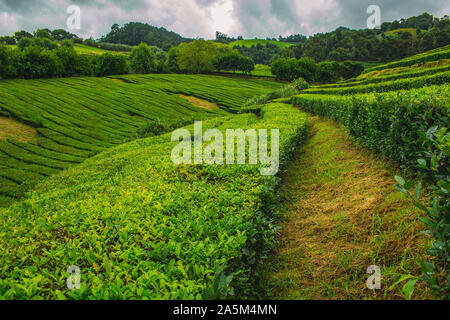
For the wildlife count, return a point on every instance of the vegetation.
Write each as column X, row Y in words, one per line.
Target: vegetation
column 325, row 71
column 76, row 118
column 134, row 33
column 375, row 45
column 137, row 248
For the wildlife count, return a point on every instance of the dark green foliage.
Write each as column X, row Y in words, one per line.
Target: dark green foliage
column 306, row 68
column 134, row 33
column 35, row 62
column 260, row 54
column 433, row 55
column 143, row 60
column 391, row 124
column 374, row 45
column 233, row 61
column 22, row 34
column 435, row 163
column 111, row 64
column 400, row 84
column 7, row 40
column 8, row 62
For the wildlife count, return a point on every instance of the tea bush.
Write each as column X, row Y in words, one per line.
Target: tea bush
column 392, row 123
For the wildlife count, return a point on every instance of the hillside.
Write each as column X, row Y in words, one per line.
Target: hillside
column 70, row 120
column 134, row 33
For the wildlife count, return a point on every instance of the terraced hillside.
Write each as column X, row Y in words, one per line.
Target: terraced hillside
column 65, row 121
column 141, row 227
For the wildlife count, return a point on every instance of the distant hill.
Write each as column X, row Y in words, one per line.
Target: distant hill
column 134, row 33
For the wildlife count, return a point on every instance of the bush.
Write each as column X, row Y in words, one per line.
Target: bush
column 300, row 84
column 233, row 61
column 109, row 64
column 69, row 60
column 8, row 62
column 143, row 60
column 35, row 62
column 391, row 124
column 114, row 47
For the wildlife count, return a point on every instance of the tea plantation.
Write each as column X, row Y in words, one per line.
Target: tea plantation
column 76, row 118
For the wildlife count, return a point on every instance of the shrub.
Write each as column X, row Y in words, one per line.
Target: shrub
column 114, row 47
column 143, row 60
column 300, row 84
column 35, row 62
column 391, row 124
column 8, row 62
column 111, row 64
column 69, row 60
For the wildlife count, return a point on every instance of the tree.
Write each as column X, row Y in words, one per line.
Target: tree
column 285, row 68
column 306, row 68
column 426, row 42
column 69, row 60
column 328, row 71
column 43, row 33
column 111, row 64
column 233, row 61
column 143, row 59
column 7, row 40
column 22, row 34
column 8, row 62
column 172, row 60
column 36, row 62
column 197, row 57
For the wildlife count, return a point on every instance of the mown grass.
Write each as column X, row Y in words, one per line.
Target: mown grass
column 341, row 214
column 85, row 49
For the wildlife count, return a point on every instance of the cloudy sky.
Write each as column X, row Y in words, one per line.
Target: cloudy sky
column 201, row 18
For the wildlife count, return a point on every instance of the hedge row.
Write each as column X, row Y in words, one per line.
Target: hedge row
column 398, row 76
column 391, row 124
column 403, row 84
column 433, row 55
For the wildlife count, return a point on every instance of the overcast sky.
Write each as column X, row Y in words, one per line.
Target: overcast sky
column 201, row 18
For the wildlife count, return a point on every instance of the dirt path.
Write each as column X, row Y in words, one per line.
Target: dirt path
column 342, row 214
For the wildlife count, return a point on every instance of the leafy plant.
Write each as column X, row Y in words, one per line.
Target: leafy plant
column 437, row 209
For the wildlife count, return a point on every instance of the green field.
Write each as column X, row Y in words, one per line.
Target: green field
column 254, row 42
column 85, row 49
column 77, row 118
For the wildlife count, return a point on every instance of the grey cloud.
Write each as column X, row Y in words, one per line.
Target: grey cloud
column 192, row 18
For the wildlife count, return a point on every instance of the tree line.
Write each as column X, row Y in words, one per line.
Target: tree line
column 375, row 44
column 41, row 57
column 309, row 70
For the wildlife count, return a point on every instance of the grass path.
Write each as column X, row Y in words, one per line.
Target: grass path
column 341, row 214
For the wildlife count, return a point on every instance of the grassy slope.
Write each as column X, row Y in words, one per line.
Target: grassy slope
column 140, row 226
column 251, row 42
column 79, row 117
column 85, row 49
column 342, row 214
